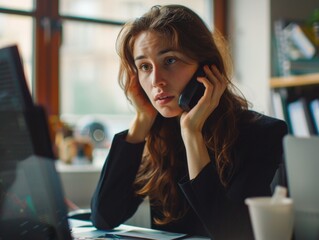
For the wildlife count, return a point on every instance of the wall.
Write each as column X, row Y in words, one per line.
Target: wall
column 249, row 36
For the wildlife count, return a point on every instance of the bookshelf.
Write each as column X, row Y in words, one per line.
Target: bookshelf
column 295, row 99
column 294, row 81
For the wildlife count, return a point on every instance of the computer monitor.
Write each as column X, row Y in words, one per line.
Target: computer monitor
column 31, row 197
column 23, row 125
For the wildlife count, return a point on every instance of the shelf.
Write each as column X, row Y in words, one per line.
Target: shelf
column 294, row 81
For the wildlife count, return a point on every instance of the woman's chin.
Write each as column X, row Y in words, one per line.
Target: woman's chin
column 169, row 113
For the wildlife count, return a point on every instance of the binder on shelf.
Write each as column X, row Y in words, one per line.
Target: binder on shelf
column 278, row 105
column 299, row 41
column 279, row 98
column 314, row 110
column 283, row 68
column 300, row 119
column 304, row 66
column 295, row 52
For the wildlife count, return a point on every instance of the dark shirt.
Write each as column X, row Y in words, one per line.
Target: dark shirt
column 215, row 211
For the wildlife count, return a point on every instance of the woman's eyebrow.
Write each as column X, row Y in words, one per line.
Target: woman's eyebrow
column 166, row 51
column 159, row 53
column 139, row 57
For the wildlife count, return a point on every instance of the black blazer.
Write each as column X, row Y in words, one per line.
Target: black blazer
column 215, row 211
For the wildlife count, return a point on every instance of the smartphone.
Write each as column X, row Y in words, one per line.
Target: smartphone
column 193, row 91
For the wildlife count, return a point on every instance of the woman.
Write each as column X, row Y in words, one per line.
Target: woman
column 196, row 167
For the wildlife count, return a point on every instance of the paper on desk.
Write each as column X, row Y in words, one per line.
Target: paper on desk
column 75, row 223
column 85, row 228
column 145, row 233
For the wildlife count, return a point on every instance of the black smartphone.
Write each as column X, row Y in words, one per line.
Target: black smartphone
column 193, row 91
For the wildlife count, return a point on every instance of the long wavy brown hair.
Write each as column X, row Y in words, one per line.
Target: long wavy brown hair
column 164, row 150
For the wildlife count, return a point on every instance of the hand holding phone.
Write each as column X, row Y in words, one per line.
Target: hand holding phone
column 193, row 91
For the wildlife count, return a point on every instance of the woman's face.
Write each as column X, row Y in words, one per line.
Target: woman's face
column 163, row 71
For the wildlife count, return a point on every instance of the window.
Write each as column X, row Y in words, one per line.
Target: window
column 16, row 27
column 68, row 48
column 89, row 63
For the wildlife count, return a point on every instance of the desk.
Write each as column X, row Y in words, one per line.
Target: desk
column 79, row 182
column 82, row 230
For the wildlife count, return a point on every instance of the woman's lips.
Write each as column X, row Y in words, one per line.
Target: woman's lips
column 163, row 99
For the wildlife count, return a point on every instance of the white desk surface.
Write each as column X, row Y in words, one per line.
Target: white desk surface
column 99, row 156
column 62, row 167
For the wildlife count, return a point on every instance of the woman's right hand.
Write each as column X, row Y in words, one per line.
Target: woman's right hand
column 145, row 112
column 139, row 99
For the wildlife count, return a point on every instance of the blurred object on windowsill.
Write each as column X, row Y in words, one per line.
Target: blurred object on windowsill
column 58, row 131
column 82, row 142
column 69, row 148
column 96, row 130
column 76, row 150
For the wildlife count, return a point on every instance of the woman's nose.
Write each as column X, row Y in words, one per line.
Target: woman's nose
column 158, row 78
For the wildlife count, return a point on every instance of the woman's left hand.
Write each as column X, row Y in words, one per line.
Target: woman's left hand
column 215, row 84
column 193, row 121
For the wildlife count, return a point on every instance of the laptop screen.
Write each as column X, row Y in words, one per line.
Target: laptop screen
column 32, row 203
column 31, row 197
column 302, row 164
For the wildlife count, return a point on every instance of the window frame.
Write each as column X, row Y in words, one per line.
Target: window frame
column 47, row 41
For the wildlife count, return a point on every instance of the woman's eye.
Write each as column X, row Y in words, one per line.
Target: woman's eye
column 145, row 67
column 170, row 61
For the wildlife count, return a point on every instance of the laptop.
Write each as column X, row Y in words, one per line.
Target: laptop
column 302, row 165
